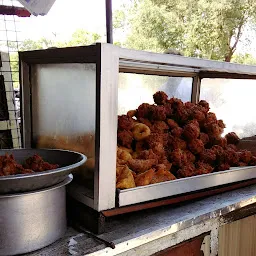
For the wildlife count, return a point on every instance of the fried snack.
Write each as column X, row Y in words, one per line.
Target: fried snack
column 232, row 138
column 125, row 179
column 178, row 157
column 141, row 165
column 203, row 168
column 145, row 178
column 131, row 113
column 190, row 157
column 145, row 121
column 191, row 130
column 222, row 167
column 123, row 154
column 159, row 127
column 245, row 156
column 207, row 156
column 196, row 146
column 205, row 105
column 186, row 171
column 162, row 175
column 144, row 111
column 140, row 132
column 148, row 154
column 160, row 98
column 158, row 113
column 125, row 122
column 176, row 143
column 184, row 138
column 204, row 138
column 125, row 138
column 37, row 164
column 177, row 132
column 172, row 124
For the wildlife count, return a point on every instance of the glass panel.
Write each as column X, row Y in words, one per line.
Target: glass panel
column 64, row 108
column 233, row 100
column 135, row 89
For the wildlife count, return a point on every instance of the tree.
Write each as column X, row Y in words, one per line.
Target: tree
column 244, row 59
column 205, row 28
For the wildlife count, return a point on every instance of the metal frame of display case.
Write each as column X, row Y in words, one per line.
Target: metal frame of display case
column 110, row 60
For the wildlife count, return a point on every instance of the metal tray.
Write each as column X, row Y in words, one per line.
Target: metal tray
column 185, row 185
column 67, row 160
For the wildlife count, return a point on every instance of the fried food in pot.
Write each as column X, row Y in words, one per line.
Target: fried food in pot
column 191, row 130
column 196, row 146
column 141, row 165
column 232, row 138
column 140, row 132
column 160, row 98
column 125, row 122
column 125, row 138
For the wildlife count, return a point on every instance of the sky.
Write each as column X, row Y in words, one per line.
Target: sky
column 65, row 17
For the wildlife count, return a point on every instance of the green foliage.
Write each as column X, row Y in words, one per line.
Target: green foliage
column 244, row 59
column 205, row 28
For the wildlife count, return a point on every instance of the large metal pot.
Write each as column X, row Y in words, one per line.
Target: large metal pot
column 32, row 220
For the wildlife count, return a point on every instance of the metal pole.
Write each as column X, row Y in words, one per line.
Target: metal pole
column 109, row 24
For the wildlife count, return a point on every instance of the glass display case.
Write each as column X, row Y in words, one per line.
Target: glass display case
column 71, row 98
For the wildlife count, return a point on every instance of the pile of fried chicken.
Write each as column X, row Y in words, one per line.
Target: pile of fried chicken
column 8, row 165
column 171, row 139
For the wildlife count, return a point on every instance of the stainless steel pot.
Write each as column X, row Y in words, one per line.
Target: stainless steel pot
column 32, row 220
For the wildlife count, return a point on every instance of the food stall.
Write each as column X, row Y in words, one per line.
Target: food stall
column 94, row 98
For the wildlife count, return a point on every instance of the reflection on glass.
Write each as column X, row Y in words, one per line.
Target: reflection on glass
column 233, row 100
column 135, row 89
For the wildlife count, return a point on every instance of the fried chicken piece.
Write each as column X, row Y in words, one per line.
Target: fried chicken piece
column 175, row 103
column 158, row 113
column 176, row 143
column 190, row 157
column 221, row 124
column 172, row 124
column 204, row 138
column 162, row 175
column 207, row 156
column 196, row 146
column 125, row 138
column 219, row 141
column 168, row 110
column 232, row 138
column 189, row 105
column 178, row 157
column 181, row 115
column 158, row 149
column 203, row 168
column 145, row 178
column 159, row 127
column 245, row 156
column 145, row 121
column 213, row 130
column 231, row 157
column 125, row 122
column 211, row 118
column 186, row 171
column 141, row 165
column 131, row 113
column 147, row 154
column 232, row 146
column 164, row 161
column 253, row 161
column 140, row 146
column 241, row 164
column 160, row 98
column 123, row 154
column 191, row 130
column 205, row 105
column 219, row 151
column 37, row 164
column 125, row 179
column 153, row 138
column 222, row 167
column 198, row 115
column 177, row 132
column 144, row 111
